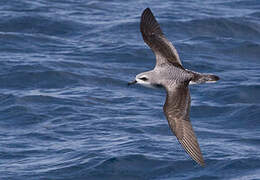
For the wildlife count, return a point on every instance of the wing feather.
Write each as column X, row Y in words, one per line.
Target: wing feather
column 176, row 109
column 153, row 36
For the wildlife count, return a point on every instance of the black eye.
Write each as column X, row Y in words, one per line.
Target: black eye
column 144, row 78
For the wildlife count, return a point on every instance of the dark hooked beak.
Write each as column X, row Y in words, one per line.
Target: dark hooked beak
column 132, row 82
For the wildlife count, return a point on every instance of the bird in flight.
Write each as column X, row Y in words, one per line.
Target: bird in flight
column 170, row 74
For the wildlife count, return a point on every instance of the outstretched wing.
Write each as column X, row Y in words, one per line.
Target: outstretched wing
column 177, row 109
column 155, row 39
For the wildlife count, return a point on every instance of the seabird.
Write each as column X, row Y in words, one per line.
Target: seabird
column 170, row 74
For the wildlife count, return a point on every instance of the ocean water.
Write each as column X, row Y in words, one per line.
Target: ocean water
column 66, row 111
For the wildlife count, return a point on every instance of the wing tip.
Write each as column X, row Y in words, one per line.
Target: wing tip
column 198, row 159
column 147, row 10
column 201, row 162
column 146, row 14
column 190, row 144
column 149, row 24
column 196, row 156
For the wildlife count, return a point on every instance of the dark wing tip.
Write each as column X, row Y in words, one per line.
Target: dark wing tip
column 149, row 25
column 192, row 148
column 190, row 143
column 147, row 10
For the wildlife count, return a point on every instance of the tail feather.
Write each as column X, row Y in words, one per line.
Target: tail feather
column 203, row 78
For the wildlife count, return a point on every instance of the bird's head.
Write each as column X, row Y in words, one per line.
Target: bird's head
column 145, row 79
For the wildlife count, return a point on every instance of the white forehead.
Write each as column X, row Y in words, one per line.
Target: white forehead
column 144, row 74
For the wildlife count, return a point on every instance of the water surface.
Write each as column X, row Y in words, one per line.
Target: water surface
column 66, row 111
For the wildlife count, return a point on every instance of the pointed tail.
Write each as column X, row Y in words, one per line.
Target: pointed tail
column 199, row 78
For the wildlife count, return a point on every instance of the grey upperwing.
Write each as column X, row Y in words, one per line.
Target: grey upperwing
column 177, row 109
column 153, row 36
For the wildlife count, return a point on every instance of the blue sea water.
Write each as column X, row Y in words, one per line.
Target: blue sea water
column 66, row 111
